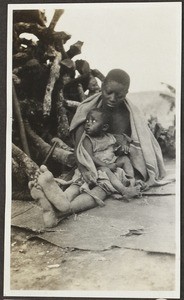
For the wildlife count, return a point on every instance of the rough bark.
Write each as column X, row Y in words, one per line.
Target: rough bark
column 20, row 58
column 20, row 180
column 68, row 65
column 31, row 15
column 57, row 14
column 20, row 122
column 75, row 49
column 62, row 120
column 25, row 164
column 82, row 66
column 43, row 33
column 54, row 75
column 18, row 171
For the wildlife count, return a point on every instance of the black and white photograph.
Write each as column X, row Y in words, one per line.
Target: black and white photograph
column 84, row 218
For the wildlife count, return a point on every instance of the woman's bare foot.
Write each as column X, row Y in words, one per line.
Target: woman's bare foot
column 52, row 191
column 49, row 216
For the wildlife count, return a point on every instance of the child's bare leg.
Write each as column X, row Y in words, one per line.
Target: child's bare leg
column 117, row 184
column 85, row 201
column 72, row 192
column 124, row 163
column 52, row 191
column 80, row 203
column 127, row 192
column 49, row 216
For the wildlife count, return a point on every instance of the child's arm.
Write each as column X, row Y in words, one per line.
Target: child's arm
column 98, row 163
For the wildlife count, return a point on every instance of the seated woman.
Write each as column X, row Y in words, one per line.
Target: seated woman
column 144, row 151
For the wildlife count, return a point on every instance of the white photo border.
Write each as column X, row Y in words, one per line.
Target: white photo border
column 110, row 294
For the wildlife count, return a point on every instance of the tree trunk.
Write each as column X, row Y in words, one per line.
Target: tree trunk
column 20, row 180
column 75, row 49
column 57, row 14
column 63, row 125
column 54, row 75
column 20, row 122
column 25, row 164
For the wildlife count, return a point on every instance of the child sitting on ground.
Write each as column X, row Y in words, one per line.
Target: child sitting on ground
column 102, row 148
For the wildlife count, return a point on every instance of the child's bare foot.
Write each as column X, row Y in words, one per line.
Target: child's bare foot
column 131, row 192
column 143, row 185
column 49, row 216
column 52, row 191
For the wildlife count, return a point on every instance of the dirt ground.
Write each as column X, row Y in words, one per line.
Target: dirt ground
column 38, row 265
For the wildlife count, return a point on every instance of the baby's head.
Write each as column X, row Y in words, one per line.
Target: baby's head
column 97, row 122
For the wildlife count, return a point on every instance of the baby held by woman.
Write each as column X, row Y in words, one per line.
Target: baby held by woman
column 107, row 155
column 114, row 173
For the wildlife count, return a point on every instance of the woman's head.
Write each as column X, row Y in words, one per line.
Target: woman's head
column 115, row 87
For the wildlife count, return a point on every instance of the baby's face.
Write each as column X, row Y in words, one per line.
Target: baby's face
column 94, row 123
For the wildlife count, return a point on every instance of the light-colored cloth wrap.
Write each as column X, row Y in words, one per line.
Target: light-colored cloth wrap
column 145, row 152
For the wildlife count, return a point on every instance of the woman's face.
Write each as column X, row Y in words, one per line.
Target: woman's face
column 113, row 93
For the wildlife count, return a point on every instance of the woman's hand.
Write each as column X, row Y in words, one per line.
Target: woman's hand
column 123, row 141
column 121, row 150
column 126, row 149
